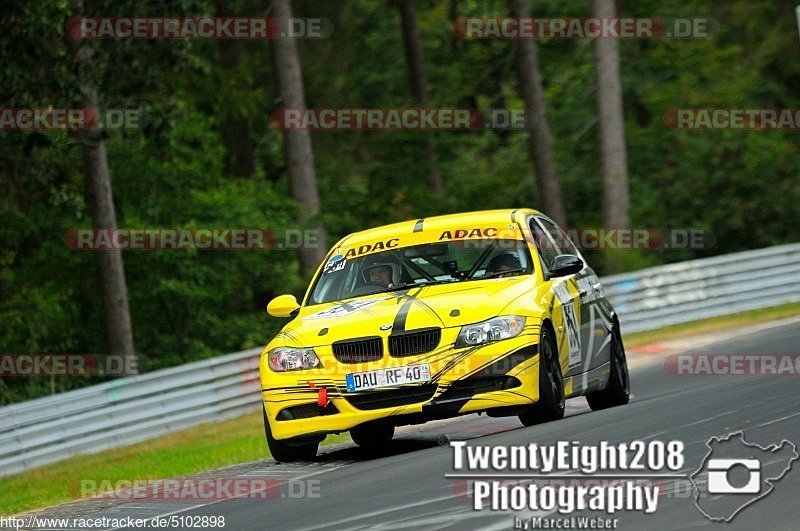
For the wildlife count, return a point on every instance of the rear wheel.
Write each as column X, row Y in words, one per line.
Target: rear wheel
column 372, row 434
column 551, row 384
column 618, row 390
column 284, row 452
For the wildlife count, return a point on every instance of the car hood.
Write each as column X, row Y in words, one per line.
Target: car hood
column 443, row 306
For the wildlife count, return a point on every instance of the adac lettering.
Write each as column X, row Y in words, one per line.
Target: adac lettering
column 457, row 234
column 371, row 248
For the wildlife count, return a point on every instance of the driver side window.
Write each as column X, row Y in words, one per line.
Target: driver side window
column 559, row 237
column 547, row 247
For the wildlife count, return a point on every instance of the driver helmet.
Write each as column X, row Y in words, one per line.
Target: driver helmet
column 393, row 267
column 506, row 260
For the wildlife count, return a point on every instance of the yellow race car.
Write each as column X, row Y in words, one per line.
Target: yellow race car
column 493, row 312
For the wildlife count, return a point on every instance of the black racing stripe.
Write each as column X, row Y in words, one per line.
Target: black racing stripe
column 450, row 364
column 450, row 402
column 288, row 335
column 418, row 225
column 513, row 217
column 399, row 324
column 503, row 365
column 430, row 311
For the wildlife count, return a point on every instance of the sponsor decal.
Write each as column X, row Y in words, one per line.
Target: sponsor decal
column 459, row 234
column 345, row 308
column 335, row 264
column 371, row 248
column 570, row 320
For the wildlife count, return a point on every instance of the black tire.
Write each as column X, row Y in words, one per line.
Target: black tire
column 284, row 452
column 372, row 434
column 618, row 390
column 551, row 384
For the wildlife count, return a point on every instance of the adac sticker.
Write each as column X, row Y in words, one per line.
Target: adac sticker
column 371, row 247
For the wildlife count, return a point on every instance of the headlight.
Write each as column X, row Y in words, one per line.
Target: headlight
column 283, row 359
column 494, row 329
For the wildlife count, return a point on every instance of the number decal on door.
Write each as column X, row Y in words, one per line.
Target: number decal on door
column 571, row 323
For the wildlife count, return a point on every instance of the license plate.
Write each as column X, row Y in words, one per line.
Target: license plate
column 360, row 381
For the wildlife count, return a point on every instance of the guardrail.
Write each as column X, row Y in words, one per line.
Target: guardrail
column 709, row 287
column 127, row 410
column 136, row 408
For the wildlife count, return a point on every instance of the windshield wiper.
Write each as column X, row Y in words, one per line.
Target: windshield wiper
column 409, row 285
column 498, row 273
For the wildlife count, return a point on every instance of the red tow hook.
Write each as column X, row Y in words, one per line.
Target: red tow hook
column 322, row 397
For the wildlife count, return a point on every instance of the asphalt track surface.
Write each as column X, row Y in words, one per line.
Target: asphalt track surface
column 404, row 486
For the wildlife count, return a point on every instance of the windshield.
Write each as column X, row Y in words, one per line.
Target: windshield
column 419, row 265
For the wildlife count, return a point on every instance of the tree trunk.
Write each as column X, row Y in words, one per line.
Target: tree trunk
column 236, row 132
column 611, row 131
column 99, row 196
column 540, row 141
column 419, row 86
column 297, row 143
column 240, row 161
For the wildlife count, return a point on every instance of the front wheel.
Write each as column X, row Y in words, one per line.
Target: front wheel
column 618, row 390
column 551, row 384
column 284, row 452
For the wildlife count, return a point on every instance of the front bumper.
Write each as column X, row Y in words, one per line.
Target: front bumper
column 503, row 374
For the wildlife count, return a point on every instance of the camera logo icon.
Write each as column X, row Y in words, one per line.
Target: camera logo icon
column 735, row 474
column 718, row 476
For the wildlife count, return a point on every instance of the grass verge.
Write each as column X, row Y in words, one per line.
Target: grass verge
column 241, row 439
column 715, row 324
column 203, row 447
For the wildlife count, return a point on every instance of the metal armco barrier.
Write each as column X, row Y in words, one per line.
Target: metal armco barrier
column 127, row 410
column 687, row 291
column 136, row 408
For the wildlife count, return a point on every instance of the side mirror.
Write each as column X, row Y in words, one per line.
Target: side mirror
column 283, row 306
column 565, row 264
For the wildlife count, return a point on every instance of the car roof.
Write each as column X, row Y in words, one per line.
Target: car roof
column 438, row 223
